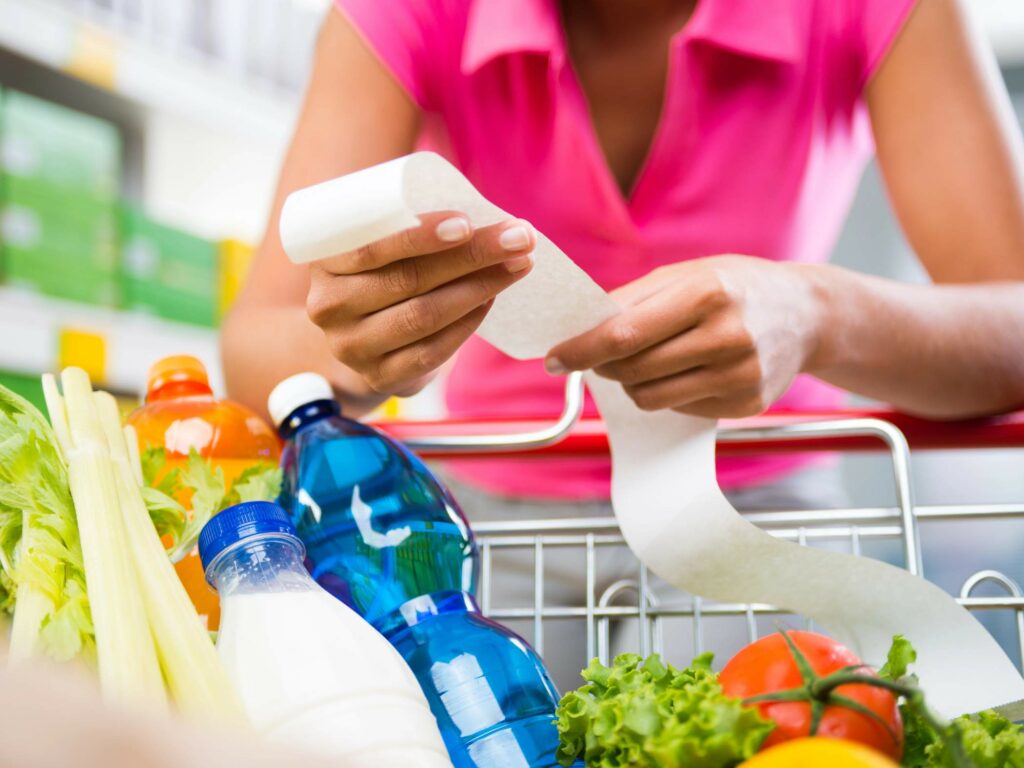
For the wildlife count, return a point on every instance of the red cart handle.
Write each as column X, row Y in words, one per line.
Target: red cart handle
column 776, row 431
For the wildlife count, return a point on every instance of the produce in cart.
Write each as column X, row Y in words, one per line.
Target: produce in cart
column 818, row 752
column 42, row 574
column 81, row 548
column 796, row 680
column 773, row 706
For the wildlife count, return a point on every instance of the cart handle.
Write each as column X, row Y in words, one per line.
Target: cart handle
column 778, row 430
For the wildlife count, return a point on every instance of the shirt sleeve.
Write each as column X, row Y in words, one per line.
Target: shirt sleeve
column 875, row 25
column 403, row 34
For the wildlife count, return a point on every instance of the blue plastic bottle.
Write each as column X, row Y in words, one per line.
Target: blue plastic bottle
column 383, row 535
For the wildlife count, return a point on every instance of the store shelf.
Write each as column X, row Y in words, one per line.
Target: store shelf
column 31, row 328
column 175, row 83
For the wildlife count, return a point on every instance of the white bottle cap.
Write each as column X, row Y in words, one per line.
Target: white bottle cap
column 296, row 391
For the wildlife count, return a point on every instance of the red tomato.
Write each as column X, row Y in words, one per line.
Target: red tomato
column 768, row 666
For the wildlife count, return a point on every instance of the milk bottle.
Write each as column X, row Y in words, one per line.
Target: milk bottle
column 310, row 672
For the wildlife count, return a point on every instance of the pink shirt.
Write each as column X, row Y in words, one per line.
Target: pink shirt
column 761, row 143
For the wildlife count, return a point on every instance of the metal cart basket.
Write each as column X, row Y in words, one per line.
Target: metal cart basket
column 632, row 599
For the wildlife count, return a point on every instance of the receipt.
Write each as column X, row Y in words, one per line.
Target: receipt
column 666, row 497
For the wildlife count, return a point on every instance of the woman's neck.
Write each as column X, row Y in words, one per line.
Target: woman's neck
column 614, row 18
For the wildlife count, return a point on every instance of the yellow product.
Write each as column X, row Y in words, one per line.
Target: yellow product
column 83, row 349
column 235, row 258
column 819, row 752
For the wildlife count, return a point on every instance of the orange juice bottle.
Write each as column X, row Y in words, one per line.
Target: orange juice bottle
column 180, row 415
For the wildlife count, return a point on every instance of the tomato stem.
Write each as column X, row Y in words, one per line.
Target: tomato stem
column 820, row 692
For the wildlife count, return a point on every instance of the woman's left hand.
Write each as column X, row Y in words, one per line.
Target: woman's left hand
column 719, row 337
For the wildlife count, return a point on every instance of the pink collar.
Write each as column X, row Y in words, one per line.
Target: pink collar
column 758, row 29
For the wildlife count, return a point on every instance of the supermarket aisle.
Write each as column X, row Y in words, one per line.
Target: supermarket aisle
column 135, row 170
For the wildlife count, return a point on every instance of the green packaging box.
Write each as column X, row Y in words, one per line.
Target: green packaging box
column 59, row 146
column 170, row 303
column 61, row 277
column 58, row 242
column 168, row 272
column 55, row 224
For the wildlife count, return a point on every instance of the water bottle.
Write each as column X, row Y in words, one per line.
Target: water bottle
column 385, row 537
column 310, row 672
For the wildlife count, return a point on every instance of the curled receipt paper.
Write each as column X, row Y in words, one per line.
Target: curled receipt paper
column 664, row 491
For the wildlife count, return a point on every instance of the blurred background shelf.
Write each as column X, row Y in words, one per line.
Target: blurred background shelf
column 203, row 92
column 119, row 50
column 41, row 333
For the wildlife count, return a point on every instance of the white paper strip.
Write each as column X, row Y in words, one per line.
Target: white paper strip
column 666, row 497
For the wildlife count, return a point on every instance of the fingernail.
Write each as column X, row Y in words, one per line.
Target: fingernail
column 515, row 238
column 453, row 230
column 554, row 366
column 519, row 263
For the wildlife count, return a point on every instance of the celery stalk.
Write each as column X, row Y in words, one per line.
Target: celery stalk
column 33, row 606
column 197, row 680
column 129, row 670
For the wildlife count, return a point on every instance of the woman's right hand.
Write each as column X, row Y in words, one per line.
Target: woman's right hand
column 395, row 310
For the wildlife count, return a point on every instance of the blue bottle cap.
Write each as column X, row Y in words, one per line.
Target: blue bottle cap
column 250, row 518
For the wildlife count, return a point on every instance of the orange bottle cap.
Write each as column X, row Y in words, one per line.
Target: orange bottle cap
column 175, row 369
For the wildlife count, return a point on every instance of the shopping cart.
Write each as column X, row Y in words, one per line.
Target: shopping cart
column 633, row 600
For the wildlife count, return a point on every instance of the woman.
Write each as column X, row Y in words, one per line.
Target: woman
column 647, row 139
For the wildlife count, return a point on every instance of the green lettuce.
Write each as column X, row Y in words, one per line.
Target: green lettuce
column 42, row 577
column 986, row 740
column 641, row 712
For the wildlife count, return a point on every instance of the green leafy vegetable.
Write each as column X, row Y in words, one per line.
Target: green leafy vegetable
column 644, row 712
column 987, row 740
column 153, row 461
column 918, row 729
column 168, row 515
column 260, row 482
column 206, row 490
column 901, row 656
column 208, row 495
column 42, row 578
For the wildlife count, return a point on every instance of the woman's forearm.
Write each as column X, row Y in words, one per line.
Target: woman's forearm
column 943, row 351
column 262, row 346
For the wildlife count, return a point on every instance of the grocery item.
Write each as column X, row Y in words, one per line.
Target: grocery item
column 234, row 259
column 647, row 714
column 42, row 578
column 181, row 416
column 128, row 666
column 60, row 172
column 779, row 672
column 985, row 740
column 310, row 672
column 384, row 536
column 643, row 712
column 60, row 147
column 819, row 752
column 59, row 242
column 169, row 273
column 81, row 563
